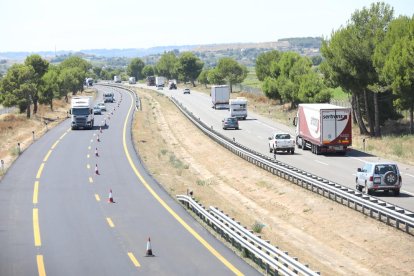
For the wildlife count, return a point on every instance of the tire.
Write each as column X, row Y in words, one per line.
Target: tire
column 390, row 178
column 317, row 150
column 397, row 192
column 270, row 150
column 366, row 190
column 292, row 151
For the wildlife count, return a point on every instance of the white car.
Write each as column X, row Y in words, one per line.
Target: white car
column 102, row 106
column 379, row 176
column 281, row 142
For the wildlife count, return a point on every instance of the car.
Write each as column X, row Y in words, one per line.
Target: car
column 375, row 176
column 281, row 141
column 230, row 122
column 186, row 91
column 97, row 110
column 102, row 106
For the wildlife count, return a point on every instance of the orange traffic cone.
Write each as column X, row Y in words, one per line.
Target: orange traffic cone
column 96, row 152
column 96, row 169
column 100, row 129
column 97, row 138
column 148, row 253
column 110, row 198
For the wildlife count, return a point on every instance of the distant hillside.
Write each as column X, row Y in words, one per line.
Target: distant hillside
column 303, row 42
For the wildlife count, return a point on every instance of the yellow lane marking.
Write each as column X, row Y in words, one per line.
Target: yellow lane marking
column 111, row 224
column 133, row 259
column 89, row 147
column 40, row 265
column 90, row 180
column 171, row 211
column 88, row 166
column 55, row 144
column 87, row 156
column 39, row 172
column 35, row 192
column 97, row 197
column 36, row 230
column 63, row 135
column 47, row 156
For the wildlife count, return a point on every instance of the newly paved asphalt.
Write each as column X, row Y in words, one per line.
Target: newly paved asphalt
column 55, row 218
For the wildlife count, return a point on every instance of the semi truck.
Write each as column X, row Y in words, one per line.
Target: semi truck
column 220, row 96
column 82, row 113
column 151, row 81
column 132, row 80
column 159, row 81
column 323, row 128
column 238, row 108
column 117, row 79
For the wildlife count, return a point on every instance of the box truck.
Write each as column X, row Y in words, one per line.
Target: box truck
column 220, row 96
column 159, row 81
column 238, row 108
column 117, row 79
column 132, row 80
column 150, row 81
column 323, row 128
column 81, row 113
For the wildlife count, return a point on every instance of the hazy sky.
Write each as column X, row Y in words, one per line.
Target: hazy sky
column 36, row 25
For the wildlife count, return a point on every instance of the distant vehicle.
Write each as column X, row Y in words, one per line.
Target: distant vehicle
column 186, row 91
column 89, row 81
column 323, row 128
column 117, row 79
column 97, row 110
column 132, row 80
column 81, row 113
column 281, row 142
column 108, row 97
column 159, row 81
column 102, row 106
column 238, row 108
column 220, row 96
column 375, row 176
column 172, row 84
column 151, row 81
column 230, row 122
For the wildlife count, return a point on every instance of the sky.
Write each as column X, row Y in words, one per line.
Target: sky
column 46, row 25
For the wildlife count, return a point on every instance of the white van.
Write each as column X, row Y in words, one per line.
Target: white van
column 238, row 108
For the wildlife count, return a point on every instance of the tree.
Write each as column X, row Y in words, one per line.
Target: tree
column 395, row 61
column 270, row 88
column 135, row 68
column 189, row 67
column 263, row 63
column 75, row 68
column 203, row 77
column 167, row 66
column 49, row 89
column 18, row 87
column 231, row 71
column 215, row 77
column 40, row 67
column 148, row 70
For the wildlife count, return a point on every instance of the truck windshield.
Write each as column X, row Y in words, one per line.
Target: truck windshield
column 80, row 111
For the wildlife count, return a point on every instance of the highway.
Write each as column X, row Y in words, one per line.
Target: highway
column 254, row 133
column 56, row 218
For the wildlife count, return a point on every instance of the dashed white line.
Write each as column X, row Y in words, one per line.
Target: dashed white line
column 409, row 174
column 322, row 162
column 363, row 161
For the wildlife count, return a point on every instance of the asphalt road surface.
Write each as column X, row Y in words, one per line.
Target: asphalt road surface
column 254, row 133
column 56, row 219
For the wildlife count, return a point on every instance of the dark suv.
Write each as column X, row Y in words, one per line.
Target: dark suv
column 379, row 176
column 230, row 122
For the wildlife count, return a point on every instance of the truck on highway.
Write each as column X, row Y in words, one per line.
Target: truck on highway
column 89, row 81
column 238, row 108
column 172, row 84
column 220, row 96
column 117, row 79
column 132, row 80
column 82, row 113
column 323, row 128
column 159, row 81
column 151, row 81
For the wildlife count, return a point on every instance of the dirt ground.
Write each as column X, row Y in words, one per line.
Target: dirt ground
column 331, row 238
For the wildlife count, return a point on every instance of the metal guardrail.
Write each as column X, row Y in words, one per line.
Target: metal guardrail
column 390, row 214
column 269, row 257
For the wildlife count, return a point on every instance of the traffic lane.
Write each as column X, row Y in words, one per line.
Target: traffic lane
column 201, row 259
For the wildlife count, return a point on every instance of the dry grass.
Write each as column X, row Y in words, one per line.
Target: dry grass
column 16, row 128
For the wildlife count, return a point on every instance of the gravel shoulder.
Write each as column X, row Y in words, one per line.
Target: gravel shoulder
column 331, row 238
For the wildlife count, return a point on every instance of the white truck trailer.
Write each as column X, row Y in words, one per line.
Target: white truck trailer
column 323, row 128
column 220, row 96
column 238, row 108
column 82, row 113
column 159, row 81
column 132, row 80
column 117, row 79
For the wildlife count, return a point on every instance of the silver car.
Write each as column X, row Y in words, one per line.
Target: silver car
column 379, row 176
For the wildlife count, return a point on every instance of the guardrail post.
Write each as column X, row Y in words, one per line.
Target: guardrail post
column 33, row 135
column 18, row 148
column 2, row 166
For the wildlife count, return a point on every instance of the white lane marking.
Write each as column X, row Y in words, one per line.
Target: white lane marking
column 266, row 125
column 409, row 174
column 260, row 137
column 363, row 161
column 408, row 193
column 322, row 162
column 354, row 174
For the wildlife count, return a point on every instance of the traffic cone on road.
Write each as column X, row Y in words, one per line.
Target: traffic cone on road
column 96, row 169
column 96, row 152
column 97, row 138
column 110, row 198
column 100, row 129
column 148, row 253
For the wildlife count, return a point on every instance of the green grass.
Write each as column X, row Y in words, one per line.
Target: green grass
column 251, row 79
column 257, row 227
column 339, row 94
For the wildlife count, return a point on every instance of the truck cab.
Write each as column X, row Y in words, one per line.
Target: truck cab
column 82, row 113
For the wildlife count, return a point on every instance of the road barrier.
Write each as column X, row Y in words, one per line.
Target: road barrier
column 273, row 260
column 385, row 212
